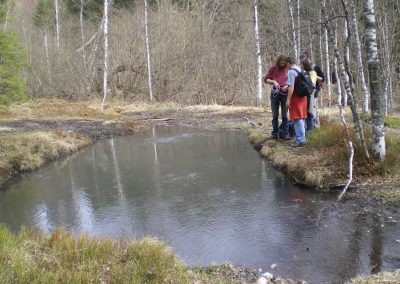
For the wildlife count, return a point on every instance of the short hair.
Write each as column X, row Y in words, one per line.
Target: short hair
column 306, row 64
column 280, row 58
column 291, row 60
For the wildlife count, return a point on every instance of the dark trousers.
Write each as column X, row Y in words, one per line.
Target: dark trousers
column 276, row 101
column 310, row 121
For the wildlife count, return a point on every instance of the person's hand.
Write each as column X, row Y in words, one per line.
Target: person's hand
column 288, row 103
column 284, row 88
column 276, row 84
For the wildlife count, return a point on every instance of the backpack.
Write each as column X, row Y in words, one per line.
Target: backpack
column 303, row 87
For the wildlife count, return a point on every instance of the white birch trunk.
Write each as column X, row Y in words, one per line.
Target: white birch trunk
column 359, row 62
column 57, row 5
column 321, row 53
column 378, row 127
column 346, row 54
column 46, row 50
column 8, row 5
column 326, row 54
column 335, row 68
column 387, row 64
column 356, row 119
column 82, row 33
column 258, row 53
column 310, row 41
column 105, row 71
column 294, row 41
column 298, row 29
column 146, row 29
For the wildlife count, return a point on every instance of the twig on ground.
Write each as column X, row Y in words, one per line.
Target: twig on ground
column 350, row 172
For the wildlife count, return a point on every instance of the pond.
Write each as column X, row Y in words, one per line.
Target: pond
column 210, row 197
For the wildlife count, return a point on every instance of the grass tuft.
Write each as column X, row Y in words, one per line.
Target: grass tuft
column 256, row 137
column 383, row 277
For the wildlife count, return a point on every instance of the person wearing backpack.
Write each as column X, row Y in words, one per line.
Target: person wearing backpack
column 299, row 85
column 312, row 118
column 277, row 76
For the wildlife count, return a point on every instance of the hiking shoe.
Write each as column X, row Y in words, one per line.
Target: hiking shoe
column 296, row 145
column 286, row 137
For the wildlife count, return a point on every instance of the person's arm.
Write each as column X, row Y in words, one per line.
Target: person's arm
column 320, row 73
column 290, row 93
column 269, row 77
column 290, row 83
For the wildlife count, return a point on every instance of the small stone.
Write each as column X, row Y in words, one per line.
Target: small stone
column 273, row 265
column 262, row 280
column 260, row 270
column 268, row 276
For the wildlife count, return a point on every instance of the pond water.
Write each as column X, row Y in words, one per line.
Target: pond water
column 210, row 197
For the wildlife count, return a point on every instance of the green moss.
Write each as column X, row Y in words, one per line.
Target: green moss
column 391, row 197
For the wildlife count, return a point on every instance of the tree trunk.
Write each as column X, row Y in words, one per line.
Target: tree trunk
column 310, row 41
column 258, row 53
column 82, row 33
column 345, row 79
column 8, row 5
column 326, row 51
column 346, row 53
column 387, row 63
column 378, row 128
column 359, row 62
column 294, row 41
column 321, row 53
column 46, row 50
column 146, row 29
column 298, row 29
column 56, row 3
column 105, row 71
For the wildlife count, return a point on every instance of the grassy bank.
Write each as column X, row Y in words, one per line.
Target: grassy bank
column 322, row 163
column 32, row 257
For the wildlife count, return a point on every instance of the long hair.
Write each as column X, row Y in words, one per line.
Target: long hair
column 279, row 59
column 291, row 60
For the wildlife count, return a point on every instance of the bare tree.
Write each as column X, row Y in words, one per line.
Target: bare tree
column 146, row 29
column 298, row 30
column 105, row 33
column 378, row 115
column 294, row 41
column 82, row 32
column 326, row 50
column 57, row 6
column 359, row 62
column 8, row 5
column 387, row 63
column 258, row 53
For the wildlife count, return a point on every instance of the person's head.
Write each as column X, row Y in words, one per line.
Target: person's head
column 291, row 61
column 306, row 65
column 305, row 55
column 281, row 61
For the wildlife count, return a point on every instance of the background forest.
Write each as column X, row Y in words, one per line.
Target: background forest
column 202, row 51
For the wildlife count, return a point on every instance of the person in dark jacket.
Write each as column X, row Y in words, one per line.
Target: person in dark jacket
column 311, row 120
column 277, row 76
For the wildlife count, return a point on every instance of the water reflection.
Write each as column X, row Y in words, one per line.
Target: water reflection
column 210, row 197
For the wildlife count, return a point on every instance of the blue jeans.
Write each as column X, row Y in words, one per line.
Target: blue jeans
column 300, row 129
column 276, row 101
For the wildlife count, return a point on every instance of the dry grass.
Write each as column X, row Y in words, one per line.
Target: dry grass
column 382, row 278
column 29, row 151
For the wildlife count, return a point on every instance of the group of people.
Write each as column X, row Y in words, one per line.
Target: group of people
column 302, row 109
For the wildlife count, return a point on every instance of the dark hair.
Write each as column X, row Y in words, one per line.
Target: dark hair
column 291, row 60
column 306, row 65
column 280, row 58
column 306, row 53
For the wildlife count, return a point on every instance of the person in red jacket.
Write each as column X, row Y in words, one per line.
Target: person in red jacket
column 297, row 105
column 277, row 77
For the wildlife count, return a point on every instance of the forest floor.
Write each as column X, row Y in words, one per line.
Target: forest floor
column 37, row 132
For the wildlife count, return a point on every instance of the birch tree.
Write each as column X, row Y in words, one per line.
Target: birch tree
column 146, row 30
column 294, row 41
column 105, row 34
column 82, row 32
column 387, row 64
column 359, row 61
column 298, row 31
column 377, row 113
column 258, row 52
column 57, row 7
column 8, row 8
column 326, row 50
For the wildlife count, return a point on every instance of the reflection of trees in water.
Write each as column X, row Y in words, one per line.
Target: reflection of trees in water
column 376, row 244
